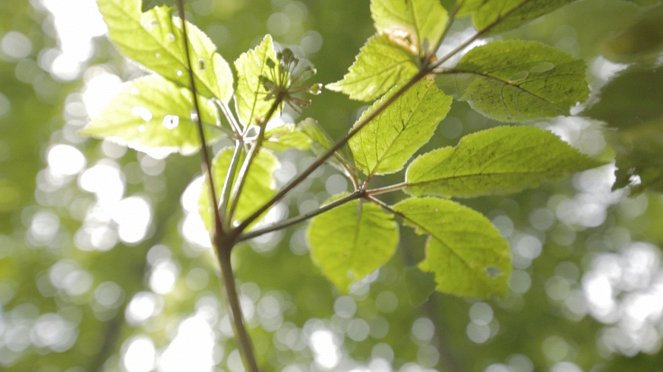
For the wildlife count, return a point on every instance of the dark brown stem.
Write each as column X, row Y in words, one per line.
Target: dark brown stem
column 243, row 339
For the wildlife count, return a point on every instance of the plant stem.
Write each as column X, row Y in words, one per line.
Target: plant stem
column 386, row 189
column 447, row 27
column 246, row 166
column 222, row 245
column 204, row 153
column 230, row 177
column 243, row 339
column 332, row 150
column 291, row 221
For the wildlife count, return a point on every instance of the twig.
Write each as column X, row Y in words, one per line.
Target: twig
column 297, row 219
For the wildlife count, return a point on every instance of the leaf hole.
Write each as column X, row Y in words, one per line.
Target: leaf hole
column 493, row 271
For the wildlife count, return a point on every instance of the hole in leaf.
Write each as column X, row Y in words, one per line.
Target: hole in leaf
column 493, row 271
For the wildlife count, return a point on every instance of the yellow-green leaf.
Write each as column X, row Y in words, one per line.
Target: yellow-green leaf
column 380, row 65
column 464, row 251
column 388, row 141
column 154, row 39
column 495, row 161
column 351, row 241
column 151, row 113
column 516, row 80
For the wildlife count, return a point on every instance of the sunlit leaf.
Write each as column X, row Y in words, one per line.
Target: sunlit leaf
column 464, row 250
column 151, row 113
column 416, row 22
column 495, row 161
column 515, row 80
column 502, row 15
column 286, row 136
column 387, row 142
column 154, row 39
column 351, row 241
column 251, row 96
column 380, row 65
column 258, row 188
column 321, row 142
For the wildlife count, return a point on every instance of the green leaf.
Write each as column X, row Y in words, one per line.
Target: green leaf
column 502, row 15
column 154, row 39
column 251, row 95
column 642, row 41
column 417, row 22
column 638, row 140
column 351, row 241
column 495, row 161
column 259, row 186
column 388, row 141
column 420, row 285
column 515, row 80
column 464, row 250
column 286, row 136
column 321, row 142
column 151, row 113
column 380, row 65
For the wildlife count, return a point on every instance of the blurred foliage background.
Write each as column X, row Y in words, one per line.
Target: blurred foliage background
column 104, row 267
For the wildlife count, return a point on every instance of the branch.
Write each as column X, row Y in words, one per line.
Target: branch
column 294, row 220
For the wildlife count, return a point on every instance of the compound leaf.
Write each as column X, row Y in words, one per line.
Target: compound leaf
column 388, row 141
column 464, row 250
column 351, row 241
column 154, row 39
column 151, row 113
column 515, row 80
column 495, row 161
column 379, row 65
column 251, row 95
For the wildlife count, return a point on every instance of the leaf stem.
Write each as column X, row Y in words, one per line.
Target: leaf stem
column 332, row 150
column 387, row 189
column 230, row 177
column 225, row 110
column 294, row 220
column 246, row 166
